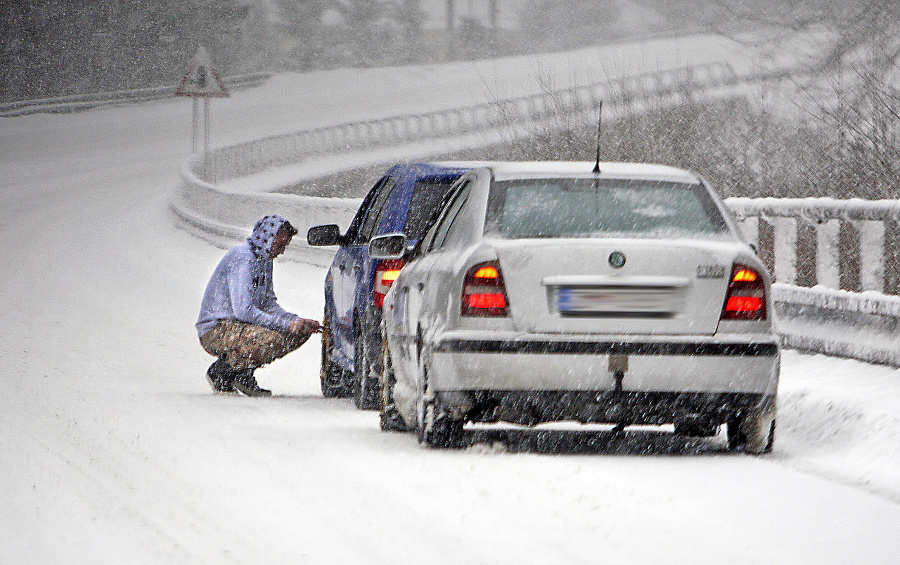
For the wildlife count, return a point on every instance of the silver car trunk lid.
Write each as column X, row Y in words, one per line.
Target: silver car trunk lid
column 616, row 286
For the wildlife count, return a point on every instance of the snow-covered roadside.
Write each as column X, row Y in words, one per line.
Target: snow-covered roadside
column 840, row 419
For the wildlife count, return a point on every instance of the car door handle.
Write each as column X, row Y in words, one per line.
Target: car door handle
column 420, row 285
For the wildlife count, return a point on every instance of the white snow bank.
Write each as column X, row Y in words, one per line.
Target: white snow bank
column 840, row 419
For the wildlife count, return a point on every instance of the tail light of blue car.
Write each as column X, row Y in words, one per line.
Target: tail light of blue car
column 386, row 273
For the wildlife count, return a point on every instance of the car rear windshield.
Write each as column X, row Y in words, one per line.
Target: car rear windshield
column 425, row 201
column 525, row 208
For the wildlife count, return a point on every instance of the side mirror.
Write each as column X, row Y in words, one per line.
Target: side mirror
column 388, row 246
column 319, row 236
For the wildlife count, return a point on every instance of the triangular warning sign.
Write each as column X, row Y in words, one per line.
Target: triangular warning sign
column 202, row 79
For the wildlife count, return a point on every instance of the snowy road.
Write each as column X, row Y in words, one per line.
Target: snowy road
column 113, row 449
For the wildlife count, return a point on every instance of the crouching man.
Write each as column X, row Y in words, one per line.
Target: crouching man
column 240, row 320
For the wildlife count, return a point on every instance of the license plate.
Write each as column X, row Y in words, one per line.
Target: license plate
column 625, row 301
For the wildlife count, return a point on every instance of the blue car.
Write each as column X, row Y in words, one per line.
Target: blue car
column 403, row 200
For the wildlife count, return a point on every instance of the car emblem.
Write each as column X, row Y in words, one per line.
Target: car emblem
column 617, row 259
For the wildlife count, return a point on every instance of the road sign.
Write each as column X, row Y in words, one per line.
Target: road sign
column 202, row 79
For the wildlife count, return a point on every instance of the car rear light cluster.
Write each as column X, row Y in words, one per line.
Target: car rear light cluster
column 385, row 274
column 746, row 297
column 484, row 293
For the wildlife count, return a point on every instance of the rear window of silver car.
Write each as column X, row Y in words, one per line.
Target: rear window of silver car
column 527, row 208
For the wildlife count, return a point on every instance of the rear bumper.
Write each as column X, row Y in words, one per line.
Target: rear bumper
column 475, row 361
column 642, row 408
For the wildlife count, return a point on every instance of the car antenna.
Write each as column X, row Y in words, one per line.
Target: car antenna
column 599, row 129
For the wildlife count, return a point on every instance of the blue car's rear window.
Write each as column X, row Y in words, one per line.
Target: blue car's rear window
column 425, row 200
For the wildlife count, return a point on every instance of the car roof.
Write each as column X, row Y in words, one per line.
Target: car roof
column 584, row 169
column 437, row 169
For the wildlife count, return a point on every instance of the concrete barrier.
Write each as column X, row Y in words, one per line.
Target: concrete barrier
column 224, row 218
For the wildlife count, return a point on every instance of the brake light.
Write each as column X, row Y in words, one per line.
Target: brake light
column 386, row 273
column 746, row 297
column 484, row 292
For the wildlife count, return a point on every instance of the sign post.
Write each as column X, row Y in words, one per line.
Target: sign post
column 201, row 81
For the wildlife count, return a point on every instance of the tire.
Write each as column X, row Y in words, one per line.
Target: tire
column 753, row 431
column 332, row 376
column 365, row 382
column 434, row 426
column 391, row 421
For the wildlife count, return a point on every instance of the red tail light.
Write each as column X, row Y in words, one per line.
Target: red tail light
column 484, row 293
column 385, row 274
column 746, row 298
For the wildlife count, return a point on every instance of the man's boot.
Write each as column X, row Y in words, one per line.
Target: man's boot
column 245, row 382
column 220, row 377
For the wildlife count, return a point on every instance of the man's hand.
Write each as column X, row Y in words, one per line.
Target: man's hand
column 303, row 326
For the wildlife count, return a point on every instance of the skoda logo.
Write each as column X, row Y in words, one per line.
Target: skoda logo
column 617, row 259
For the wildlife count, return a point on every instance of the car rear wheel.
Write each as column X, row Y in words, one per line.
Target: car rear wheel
column 753, row 431
column 331, row 375
column 365, row 380
column 435, row 426
column 391, row 421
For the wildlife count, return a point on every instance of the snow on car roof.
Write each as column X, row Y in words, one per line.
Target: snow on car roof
column 544, row 169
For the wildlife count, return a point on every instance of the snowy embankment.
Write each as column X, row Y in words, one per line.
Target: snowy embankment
column 840, row 419
column 114, row 450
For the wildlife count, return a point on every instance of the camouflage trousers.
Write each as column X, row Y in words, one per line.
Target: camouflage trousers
column 246, row 346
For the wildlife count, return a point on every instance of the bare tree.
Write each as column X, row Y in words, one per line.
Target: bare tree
column 852, row 96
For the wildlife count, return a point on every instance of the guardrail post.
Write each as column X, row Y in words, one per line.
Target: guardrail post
column 785, row 250
column 871, row 255
column 828, row 271
column 750, row 229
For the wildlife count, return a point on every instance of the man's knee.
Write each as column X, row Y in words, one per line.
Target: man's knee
column 246, row 345
column 264, row 345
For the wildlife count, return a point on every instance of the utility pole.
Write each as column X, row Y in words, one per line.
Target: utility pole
column 451, row 24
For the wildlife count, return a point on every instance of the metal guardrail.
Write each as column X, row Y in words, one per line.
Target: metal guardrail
column 863, row 324
column 825, row 217
column 78, row 102
column 275, row 151
column 223, row 217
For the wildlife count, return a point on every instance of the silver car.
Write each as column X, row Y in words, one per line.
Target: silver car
column 549, row 292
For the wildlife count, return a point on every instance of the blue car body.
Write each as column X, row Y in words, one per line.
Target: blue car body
column 403, row 200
